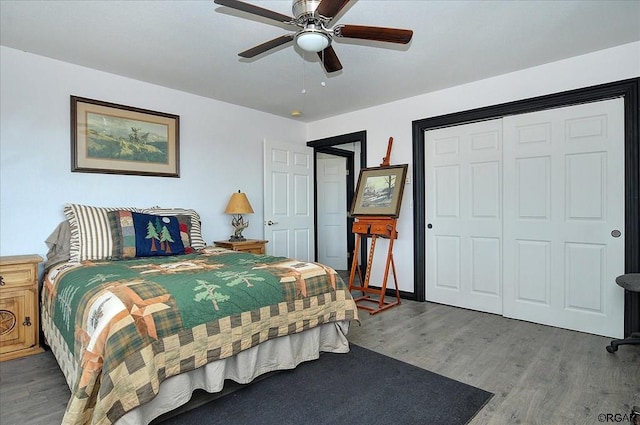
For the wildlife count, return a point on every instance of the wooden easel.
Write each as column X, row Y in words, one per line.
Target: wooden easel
column 374, row 227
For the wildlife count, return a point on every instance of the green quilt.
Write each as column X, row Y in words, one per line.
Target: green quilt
column 168, row 315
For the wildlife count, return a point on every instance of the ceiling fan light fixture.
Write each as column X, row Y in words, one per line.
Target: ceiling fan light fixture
column 315, row 29
column 312, row 41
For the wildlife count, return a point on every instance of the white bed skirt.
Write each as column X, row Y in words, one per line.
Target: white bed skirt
column 285, row 352
column 281, row 353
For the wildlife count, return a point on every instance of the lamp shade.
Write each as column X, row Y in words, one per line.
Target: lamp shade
column 312, row 41
column 239, row 204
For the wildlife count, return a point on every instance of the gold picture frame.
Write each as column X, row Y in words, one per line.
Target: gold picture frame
column 379, row 191
column 117, row 139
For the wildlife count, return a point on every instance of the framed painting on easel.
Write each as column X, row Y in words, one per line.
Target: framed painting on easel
column 379, row 191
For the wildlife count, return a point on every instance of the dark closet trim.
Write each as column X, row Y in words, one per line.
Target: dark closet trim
column 327, row 145
column 628, row 89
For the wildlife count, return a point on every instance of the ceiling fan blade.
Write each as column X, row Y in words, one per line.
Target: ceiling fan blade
column 330, row 60
column 255, row 10
column 255, row 51
column 330, row 8
column 389, row 35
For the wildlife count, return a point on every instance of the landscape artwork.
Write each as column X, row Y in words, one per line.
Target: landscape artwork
column 110, row 137
column 117, row 139
column 379, row 191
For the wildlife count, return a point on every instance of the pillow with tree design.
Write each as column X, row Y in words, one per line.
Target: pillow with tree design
column 147, row 235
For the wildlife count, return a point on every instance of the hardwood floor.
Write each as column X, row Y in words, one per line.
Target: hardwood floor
column 539, row 374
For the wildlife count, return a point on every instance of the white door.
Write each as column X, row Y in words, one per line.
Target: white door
column 563, row 198
column 464, row 211
column 331, row 174
column 288, row 200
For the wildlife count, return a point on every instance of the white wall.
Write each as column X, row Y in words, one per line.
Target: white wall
column 395, row 119
column 219, row 152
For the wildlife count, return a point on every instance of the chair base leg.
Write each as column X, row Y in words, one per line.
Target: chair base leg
column 635, row 415
column 633, row 339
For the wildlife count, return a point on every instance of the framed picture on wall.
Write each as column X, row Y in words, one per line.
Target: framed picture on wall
column 117, row 139
column 379, row 191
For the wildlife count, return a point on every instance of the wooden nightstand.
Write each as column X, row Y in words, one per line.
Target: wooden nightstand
column 253, row 246
column 19, row 330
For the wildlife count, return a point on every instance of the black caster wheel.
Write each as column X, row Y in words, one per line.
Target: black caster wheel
column 612, row 349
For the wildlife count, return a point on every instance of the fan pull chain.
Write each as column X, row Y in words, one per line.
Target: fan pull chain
column 322, row 83
column 304, row 88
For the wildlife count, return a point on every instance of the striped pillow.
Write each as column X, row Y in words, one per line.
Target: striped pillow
column 195, row 232
column 90, row 231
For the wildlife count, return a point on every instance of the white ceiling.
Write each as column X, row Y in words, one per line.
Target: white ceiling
column 192, row 46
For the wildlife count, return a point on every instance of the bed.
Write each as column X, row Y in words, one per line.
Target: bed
column 139, row 312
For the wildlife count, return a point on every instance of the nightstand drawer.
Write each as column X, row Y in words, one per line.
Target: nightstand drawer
column 257, row 249
column 16, row 275
column 252, row 246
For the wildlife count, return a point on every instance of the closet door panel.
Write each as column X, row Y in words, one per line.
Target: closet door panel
column 563, row 196
column 464, row 209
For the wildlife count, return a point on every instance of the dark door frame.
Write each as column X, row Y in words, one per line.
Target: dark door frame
column 329, row 145
column 627, row 89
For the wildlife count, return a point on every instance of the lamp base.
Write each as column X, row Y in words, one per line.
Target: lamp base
column 239, row 225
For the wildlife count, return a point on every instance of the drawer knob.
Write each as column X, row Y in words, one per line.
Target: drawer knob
column 27, row 321
column 2, row 281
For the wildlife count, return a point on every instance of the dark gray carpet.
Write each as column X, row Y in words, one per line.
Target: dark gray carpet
column 361, row 387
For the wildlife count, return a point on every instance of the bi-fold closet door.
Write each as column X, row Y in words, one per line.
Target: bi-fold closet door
column 525, row 216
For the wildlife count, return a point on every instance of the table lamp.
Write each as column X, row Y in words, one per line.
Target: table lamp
column 237, row 206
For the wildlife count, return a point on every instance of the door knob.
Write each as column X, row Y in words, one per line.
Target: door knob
column 271, row 223
column 616, row 233
column 429, row 226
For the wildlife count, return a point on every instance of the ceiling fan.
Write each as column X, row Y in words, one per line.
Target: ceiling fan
column 313, row 18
